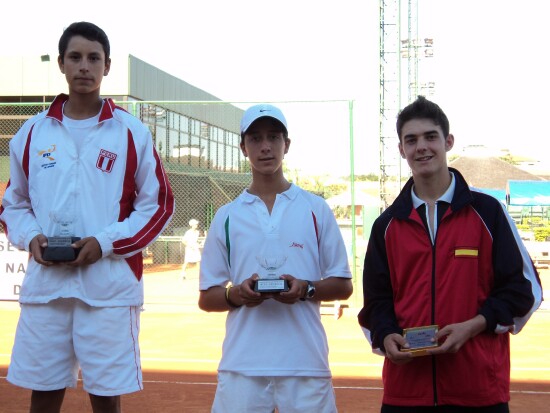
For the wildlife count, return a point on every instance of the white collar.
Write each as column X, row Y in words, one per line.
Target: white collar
column 446, row 197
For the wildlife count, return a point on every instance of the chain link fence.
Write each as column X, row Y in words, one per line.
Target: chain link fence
column 199, row 146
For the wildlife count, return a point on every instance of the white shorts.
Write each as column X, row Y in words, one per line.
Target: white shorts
column 259, row 394
column 54, row 340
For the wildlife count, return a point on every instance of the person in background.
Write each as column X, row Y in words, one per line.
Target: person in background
column 85, row 171
column 447, row 256
column 192, row 251
column 275, row 352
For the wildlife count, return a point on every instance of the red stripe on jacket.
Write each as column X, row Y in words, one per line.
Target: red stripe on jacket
column 157, row 222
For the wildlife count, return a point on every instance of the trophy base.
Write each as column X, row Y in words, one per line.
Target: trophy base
column 268, row 285
column 59, row 249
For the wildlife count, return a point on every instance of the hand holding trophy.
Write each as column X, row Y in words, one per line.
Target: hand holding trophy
column 59, row 246
column 271, row 258
column 420, row 339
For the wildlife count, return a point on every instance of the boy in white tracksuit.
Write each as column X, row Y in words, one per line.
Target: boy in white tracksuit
column 84, row 168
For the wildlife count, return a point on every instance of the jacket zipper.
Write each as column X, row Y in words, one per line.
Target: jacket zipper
column 434, row 366
column 434, row 370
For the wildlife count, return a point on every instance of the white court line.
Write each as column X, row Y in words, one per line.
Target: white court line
column 187, row 383
column 216, row 361
column 214, row 384
column 179, row 360
column 336, row 387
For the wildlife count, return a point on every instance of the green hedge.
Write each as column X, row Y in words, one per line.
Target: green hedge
column 542, row 233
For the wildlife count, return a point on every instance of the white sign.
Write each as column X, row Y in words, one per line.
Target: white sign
column 13, row 264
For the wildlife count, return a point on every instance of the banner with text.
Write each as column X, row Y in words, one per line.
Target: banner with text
column 13, row 264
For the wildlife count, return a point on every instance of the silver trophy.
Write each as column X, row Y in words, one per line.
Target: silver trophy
column 59, row 246
column 271, row 258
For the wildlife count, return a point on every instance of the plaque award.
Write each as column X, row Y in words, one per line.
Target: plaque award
column 420, row 339
column 271, row 259
column 59, row 246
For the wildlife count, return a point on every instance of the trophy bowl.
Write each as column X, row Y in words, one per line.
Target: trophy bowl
column 269, row 281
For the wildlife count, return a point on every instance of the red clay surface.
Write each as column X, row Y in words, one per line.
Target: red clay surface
column 175, row 392
column 181, row 347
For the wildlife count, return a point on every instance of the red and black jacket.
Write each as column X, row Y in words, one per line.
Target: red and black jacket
column 476, row 265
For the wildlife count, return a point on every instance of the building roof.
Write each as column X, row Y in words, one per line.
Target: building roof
column 490, row 172
column 130, row 79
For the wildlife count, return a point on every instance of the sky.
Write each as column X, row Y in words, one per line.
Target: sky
column 489, row 66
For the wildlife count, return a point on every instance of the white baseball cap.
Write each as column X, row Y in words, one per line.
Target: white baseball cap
column 256, row 112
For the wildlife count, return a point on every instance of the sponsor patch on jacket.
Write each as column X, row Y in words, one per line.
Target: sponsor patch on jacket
column 48, row 156
column 466, row 252
column 105, row 160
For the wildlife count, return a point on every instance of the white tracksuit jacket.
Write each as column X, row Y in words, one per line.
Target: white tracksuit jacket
column 113, row 188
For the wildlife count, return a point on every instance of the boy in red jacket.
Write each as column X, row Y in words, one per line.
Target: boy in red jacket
column 447, row 261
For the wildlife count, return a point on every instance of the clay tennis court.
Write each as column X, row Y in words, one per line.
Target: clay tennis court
column 181, row 347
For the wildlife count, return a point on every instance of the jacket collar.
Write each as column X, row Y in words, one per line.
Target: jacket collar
column 56, row 108
column 446, row 197
column 462, row 196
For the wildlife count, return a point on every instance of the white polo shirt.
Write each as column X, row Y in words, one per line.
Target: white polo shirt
column 274, row 339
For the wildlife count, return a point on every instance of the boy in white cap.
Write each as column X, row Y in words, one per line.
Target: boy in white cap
column 275, row 352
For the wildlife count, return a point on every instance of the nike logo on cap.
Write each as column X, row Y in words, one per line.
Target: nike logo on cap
column 264, row 110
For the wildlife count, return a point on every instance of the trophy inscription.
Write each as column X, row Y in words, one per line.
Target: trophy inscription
column 420, row 339
column 271, row 259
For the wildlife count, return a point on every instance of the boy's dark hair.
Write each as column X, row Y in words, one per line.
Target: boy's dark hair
column 422, row 108
column 87, row 30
